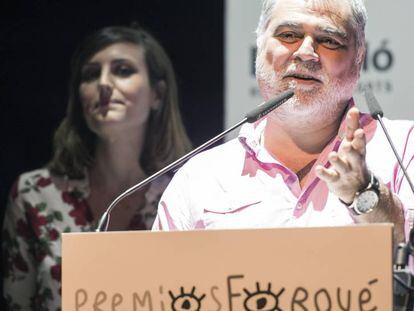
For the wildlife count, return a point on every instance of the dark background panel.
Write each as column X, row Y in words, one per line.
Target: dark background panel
column 38, row 37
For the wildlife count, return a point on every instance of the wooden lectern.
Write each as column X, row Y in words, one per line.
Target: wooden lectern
column 335, row 268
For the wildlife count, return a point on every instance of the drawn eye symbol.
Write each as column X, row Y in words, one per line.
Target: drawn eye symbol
column 262, row 300
column 186, row 301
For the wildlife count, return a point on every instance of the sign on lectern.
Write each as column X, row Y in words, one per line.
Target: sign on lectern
column 335, row 268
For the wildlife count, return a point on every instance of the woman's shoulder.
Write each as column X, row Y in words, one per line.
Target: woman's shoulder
column 31, row 181
column 43, row 178
column 43, row 195
column 29, row 191
column 38, row 176
column 41, row 182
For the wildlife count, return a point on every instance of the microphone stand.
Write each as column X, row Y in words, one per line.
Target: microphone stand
column 251, row 117
column 379, row 118
column 403, row 279
column 104, row 220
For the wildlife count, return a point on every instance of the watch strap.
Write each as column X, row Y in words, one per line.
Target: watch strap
column 373, row 185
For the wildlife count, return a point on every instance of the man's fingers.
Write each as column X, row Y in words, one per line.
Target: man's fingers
column 359, row 142
column 326, row 174
column 353, row 152
column 352, row 123
column 338, row 163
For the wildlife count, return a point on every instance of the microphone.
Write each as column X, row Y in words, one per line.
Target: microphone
column 402, row 276
column 267, row 107
column 377, row 113
column 254, row 115
column 373, row 105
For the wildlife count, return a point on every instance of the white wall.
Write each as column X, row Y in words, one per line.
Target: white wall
column 389, row 25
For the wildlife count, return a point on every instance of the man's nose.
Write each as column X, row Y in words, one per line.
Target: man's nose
column 306, row 51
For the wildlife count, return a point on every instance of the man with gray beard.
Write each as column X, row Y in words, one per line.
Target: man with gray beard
column 315, row 160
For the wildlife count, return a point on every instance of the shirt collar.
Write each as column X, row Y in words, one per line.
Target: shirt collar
column 250, row 135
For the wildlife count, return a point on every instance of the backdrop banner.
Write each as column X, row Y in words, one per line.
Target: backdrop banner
column 387, row 68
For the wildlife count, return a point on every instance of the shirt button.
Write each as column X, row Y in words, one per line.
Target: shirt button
column 299, row 206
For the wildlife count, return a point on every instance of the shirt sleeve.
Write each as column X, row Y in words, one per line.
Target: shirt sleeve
column 19, row 271
column 175, row 207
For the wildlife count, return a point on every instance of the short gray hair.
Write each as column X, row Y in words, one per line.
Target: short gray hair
column 358, row 22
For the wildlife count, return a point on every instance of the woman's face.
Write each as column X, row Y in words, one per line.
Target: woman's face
column 115, row 90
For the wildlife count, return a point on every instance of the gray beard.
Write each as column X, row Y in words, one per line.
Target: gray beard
column 312, row 109
column 309, row 108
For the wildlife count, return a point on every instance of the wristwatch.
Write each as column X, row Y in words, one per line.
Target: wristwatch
column 367, row 199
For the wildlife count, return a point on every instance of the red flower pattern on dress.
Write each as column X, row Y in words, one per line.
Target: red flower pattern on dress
column 44, row 182
column 53, row 234
column 40, row 254
column 35, row 219
column 47, row 211
column 56, row 272
column 24, row 230
column 81, row 212
column 38, row 303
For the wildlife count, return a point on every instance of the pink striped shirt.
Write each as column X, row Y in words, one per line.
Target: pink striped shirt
column 240, row 185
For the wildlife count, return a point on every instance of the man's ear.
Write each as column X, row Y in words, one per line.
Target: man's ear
column 159, row 90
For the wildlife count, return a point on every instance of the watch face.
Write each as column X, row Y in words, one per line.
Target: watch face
column 366, row 201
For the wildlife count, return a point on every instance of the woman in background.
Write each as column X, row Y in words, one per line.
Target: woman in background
column 122, row 124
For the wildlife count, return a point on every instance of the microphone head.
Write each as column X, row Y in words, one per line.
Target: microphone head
column 266, row 107
column 373, row 105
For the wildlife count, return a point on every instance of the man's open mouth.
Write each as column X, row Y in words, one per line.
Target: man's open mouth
column 301, row 76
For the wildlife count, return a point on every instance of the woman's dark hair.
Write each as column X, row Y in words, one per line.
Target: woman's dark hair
column 166, row 139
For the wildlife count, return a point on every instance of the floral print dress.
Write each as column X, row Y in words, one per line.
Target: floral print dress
column 40, row 208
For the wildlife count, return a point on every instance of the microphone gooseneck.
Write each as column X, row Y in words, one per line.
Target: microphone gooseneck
column 254, row 115
column 377, row 113
column 402, row 286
